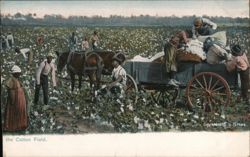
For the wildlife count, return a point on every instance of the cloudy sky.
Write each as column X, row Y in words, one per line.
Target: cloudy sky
column 229, row 8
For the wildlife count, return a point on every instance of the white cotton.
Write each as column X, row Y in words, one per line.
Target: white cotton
column 139, row 58
column 196, row 47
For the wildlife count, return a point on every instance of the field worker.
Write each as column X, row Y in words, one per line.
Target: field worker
column 85, row 44
column 42, row 78
column 40, row 40
column 72, row 45
column 94, row 40
column 73, row 42
column 16, row 116
column 180, row 39
column 203, row 26
column 10, row 40
column 241, row 62
column 4, row 43
column 24, row 52
column 119, row 78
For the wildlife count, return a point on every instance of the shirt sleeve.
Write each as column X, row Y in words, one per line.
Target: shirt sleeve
column 24, row 55
column 193, row 33
column 53, row 73
column 246, row 59
column 122, row 73
column 38, row 73
column 113, row 73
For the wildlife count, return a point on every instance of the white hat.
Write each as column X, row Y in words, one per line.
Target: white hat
column 50, row 55
column 15, row 69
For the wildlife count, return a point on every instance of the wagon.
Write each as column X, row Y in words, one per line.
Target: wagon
column 207, row 87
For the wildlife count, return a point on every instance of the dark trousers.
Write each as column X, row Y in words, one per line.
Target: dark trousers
column 244, row 79
column 44, row 84
column 10, row 43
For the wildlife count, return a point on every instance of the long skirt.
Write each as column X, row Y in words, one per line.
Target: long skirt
column 16, row 117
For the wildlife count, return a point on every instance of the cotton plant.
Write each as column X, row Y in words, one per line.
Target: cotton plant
column 123, row 116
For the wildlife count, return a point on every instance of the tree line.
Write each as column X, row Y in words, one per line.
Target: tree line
column 114, row 20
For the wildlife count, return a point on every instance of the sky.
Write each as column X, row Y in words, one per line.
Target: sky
column 227, row 8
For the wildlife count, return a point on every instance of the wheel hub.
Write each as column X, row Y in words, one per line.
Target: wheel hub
column 208, row 93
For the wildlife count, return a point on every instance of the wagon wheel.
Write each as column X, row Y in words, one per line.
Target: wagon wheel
column 165, row 96
column 208, row 91
column 131, row 89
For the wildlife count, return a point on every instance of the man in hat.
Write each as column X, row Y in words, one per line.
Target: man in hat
column 73, row 40
column 242, row 64
column 203, row 26
column 94, row 40
column 118, row 75
column 42, row 78
column 16, row 115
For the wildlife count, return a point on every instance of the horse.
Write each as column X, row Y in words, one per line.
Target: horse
column 107, row 60
column 81, row 64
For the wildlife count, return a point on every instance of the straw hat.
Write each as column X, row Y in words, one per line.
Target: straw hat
column 15, row 69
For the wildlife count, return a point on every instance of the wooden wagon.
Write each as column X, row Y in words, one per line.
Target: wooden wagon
column 207, row 86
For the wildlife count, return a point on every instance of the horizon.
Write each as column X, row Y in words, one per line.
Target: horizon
column 179, row 8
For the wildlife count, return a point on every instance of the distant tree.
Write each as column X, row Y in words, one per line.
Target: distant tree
column 18, row 15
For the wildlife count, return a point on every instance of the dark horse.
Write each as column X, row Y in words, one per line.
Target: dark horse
column 107, row 60
column 81, row 64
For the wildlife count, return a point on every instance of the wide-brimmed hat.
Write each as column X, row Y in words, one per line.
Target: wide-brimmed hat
column 120, row 57
column 50, row 54
column 236, row 50
column 16, row 69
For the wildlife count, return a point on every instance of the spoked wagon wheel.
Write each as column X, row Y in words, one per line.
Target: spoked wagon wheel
column 131, row 89
column 208, row 91
column 165, row 96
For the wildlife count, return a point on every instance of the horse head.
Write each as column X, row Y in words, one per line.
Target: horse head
column 62, row 60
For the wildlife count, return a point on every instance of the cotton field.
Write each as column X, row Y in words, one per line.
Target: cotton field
column 76, row 112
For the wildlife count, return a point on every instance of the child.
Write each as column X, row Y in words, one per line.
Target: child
column 242, row 66
column 119, row 78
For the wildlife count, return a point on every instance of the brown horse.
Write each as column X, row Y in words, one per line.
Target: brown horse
column 81, row 64
column 107, row 60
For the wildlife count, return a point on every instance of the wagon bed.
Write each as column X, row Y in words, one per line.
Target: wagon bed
column 207, row 86
column 155, row 73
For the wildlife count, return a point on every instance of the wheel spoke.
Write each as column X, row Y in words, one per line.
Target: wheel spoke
column 194, row 87
column 218, row 88
column 158, row 97
column 213, row 101
column 214, row 84
column 210, row 82
column 163, row 98
column 195, row 96
column 129, row 87
column 217, row 93
column 218, row 100
column 210, row 103
column 205, row 82
column 216, row 105
column 198, row 82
